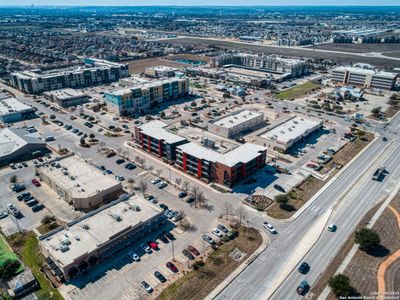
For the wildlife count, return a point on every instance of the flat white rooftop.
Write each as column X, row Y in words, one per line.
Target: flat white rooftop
column 156, row 129
column 90, row 232
column 291, row 130
column 12, row 105
column 78, row 177
column 243, row 153
column 66, row 93
column 12, row 139
column 237, row 118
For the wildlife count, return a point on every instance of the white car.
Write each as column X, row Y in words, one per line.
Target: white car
column 146, row 287
column 217, row 232
column 162, row 184
column 3, row 214
column 134, row 256
column 270, row 228
column 155, row 180
column 145, row 248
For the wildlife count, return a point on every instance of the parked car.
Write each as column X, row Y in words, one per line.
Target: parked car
column 160, row 276
column 14, row 211
column 270, row 228
column 172, row 267
column 36, row 182
column 25, row 165
column 217, row 232
column 162, row 185
column 163, row 238
column 120, row 161
column 177, row 216
column 153, row 245
column 134, row 256
column 208, row 239
column 188, row 254
column 193, row 250
column 31, row 203
column 155, row 180
column 169, row 235
column 3, row 214
column 190, row 199
column 18, row 188
column 222, row 228
column 182, row 194
column 302, row 288
column 304, row 268
column 21, row 197
column 163, row 206
column 146, row 287
column 130, row 166
column 37, row 207
column 145, row 248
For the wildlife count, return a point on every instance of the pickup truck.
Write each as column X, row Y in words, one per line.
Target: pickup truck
column 378, row 173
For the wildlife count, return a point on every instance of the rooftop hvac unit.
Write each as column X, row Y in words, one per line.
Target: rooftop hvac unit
column 116, row 217
column 64, row 248
column 295, row 122
column 85, row 226
column 135, row 207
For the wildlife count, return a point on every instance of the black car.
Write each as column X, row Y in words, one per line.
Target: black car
column 163, row 206
column 188, row 254
column 169, row 235
column 28, row 198
column 18, row 188
column 160, row 276
column 190, row 199
column 130, row 166
column 120, row 161
column 22, row 196
column 163, row 238
column 37, row 207
column 304, row 268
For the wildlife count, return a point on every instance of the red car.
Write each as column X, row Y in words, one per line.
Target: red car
column 193, row 250
column 36, row 182
column 172, row 267
column 40, row 159
column 153, row 245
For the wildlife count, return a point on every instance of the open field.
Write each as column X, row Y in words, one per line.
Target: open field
column 294, row 52
column 6, row 253
column 139, row 65
column 219, row 265
column 298, row 91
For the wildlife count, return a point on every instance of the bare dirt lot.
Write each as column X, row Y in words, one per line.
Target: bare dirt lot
column 139, row 65
column 294, row 52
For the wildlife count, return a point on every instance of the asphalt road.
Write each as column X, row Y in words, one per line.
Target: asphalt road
column 262, row 277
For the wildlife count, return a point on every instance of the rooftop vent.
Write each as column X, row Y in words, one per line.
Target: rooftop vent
column 64, row 248
column 85, row 226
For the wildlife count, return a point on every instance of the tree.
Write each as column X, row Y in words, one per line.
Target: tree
column 158, row 172
column 194, row 104
column 82, row 141
column 47, row 219
column 92, row 136
column 282, row 200
column 102, row 145
column 52, row 117
column 227, row 209
column 340, row 285
column 376, row 111
column 185, row 186
column 367, row 239
column 142, row 186
column 14, row 179
column 8, row 269
column 162, row 115
column 178, row 181
column 131, row 182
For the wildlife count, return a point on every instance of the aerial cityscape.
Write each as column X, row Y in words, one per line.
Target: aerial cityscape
column 199, row 152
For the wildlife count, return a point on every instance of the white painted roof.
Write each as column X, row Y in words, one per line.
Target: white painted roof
column 237, row 118
column 12, row 139
column 156, row 129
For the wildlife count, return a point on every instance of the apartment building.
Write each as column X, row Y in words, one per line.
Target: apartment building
column 364, row 77
column 95, row 72
column 269, row 63
column 76, row 247
column 141, row 97
column 154, row 138
column 160, row 72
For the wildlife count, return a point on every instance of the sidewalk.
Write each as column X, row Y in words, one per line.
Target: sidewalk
column 241, row 268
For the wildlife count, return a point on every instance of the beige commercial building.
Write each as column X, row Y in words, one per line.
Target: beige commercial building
column 79, row 183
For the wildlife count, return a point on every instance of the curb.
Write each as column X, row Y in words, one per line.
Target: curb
column 241, row 268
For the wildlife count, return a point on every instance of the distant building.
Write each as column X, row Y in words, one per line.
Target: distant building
column 290, row 132
column 18, row 145
column 364, row 77
column 138, row 99
column 12, row 110
column 270, row 63
column 235, row 123
column 72, row 249
column 155, row 139
column 160, row 72
column 79, row 183
column 95, row 73
column 67, row 97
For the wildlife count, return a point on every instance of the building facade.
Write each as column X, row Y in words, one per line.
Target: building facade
column 270, row 63
column 138, row 99
column 78, row 246
column 364, row 77
column 79, row 183
column 67, row 97
column 12, row 110
column 95, row 72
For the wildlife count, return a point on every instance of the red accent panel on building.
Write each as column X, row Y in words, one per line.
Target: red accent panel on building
column 199, row 168
column 243, row 170
column 184, row 161
column 149, row 143
column 141, row 140
column 160, row 148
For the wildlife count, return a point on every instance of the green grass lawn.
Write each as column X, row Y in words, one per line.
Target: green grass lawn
column 297, row 91
column 32, row 257
column 7, row 253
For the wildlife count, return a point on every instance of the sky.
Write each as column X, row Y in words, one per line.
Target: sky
column 201, row 2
